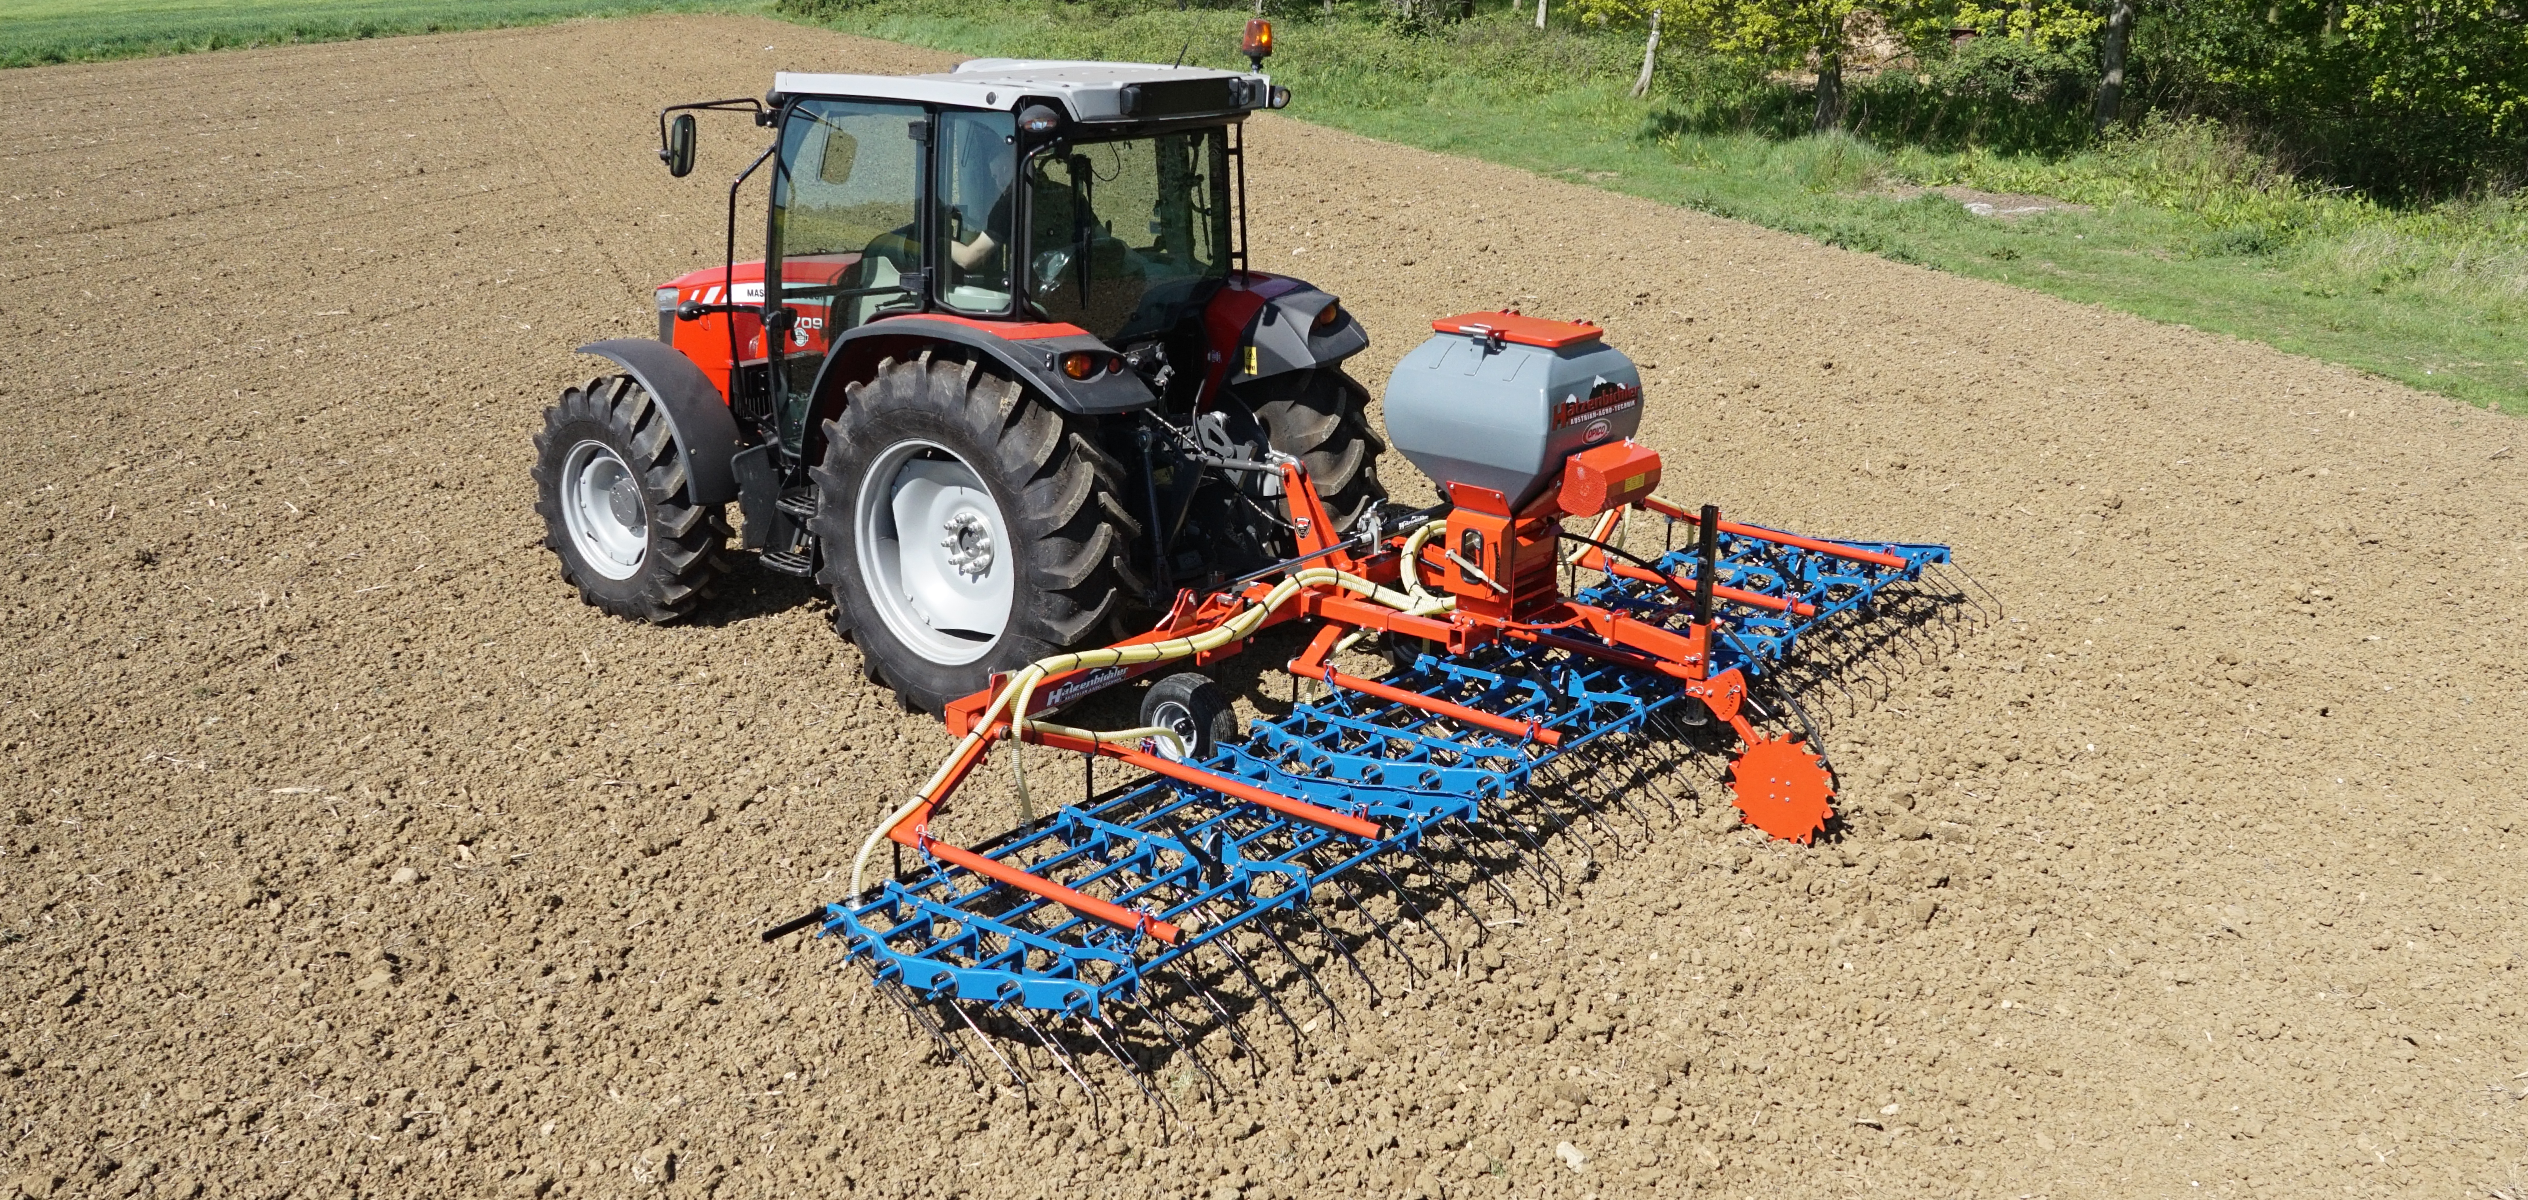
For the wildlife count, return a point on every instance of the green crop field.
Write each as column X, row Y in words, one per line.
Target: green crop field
column 35, row 32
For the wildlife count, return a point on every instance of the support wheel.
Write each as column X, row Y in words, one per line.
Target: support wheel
column 968, row 527
column 1321, row 417
column 617, row 508
column 1783, row 788
column 1190, row 705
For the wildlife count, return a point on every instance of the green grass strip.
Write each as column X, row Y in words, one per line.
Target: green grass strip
column 2178, row 229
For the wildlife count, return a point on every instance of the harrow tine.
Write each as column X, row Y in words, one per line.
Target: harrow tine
column 1476, row 868
column 1360, row 904
column 988, row 1044
column 1566, row 779
column 1168, row 1028
column 1333, row 1014
column 1536, row 859
column 1327, row 934
column 1448, row 953
column 1618, row 782
column 1298, row 1046
column 1228, row 1022
column 1454, row 895
column 1650, row 779
column 912, row 1006
column 1054, row 1048
column 1140, row 1079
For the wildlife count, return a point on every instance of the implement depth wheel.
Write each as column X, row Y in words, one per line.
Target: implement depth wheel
column 617, row 508
column 968, row 527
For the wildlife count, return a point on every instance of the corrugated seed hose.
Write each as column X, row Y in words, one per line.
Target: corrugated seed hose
column 1021, row 688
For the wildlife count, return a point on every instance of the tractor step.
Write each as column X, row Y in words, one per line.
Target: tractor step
column 798, row 504
column 797, row 565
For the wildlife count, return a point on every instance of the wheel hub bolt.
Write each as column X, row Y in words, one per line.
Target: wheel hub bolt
column 625, row 498
column 969, row 545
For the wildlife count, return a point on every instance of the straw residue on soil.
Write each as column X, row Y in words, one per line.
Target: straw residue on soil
column 347, row 852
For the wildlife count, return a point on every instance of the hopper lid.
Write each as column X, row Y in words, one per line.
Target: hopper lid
column 1526, row 331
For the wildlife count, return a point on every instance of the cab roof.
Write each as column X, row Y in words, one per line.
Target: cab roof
column 1091, row 91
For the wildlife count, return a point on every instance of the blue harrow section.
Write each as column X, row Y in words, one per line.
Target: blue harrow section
column 1756, row 640
column 1215, row 865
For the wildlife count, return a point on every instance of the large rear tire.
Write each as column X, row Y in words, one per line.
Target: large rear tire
column 967, row 526
column 1320, row 416
column 618, row 510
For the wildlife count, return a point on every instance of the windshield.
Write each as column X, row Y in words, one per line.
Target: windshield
column 1123, row 234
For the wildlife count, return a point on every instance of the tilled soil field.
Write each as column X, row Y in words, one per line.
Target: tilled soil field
column 347, row 853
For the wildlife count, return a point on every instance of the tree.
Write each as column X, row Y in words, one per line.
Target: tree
column 1649, row 58
column 2467, row 59
column 2111, row 53
column 1782, row 35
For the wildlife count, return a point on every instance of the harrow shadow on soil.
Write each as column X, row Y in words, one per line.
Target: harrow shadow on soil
column 1283, row 992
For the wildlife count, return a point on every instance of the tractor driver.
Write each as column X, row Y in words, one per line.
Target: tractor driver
column 981, row 173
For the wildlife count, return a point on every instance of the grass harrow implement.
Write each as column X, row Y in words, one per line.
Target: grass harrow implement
column 1171, row 913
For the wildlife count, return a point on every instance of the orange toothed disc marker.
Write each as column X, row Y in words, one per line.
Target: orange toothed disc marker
column 1783, row 789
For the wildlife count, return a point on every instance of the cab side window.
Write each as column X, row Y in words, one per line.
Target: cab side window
column 845, row 199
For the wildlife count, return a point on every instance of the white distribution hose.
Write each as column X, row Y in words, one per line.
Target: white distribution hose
column 1021, row 687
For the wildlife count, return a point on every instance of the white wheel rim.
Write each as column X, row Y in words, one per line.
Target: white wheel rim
column 604, row 510
column 1179, row 720
column 934, row 553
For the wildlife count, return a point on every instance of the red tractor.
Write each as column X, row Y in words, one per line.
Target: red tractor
column 1003, row 381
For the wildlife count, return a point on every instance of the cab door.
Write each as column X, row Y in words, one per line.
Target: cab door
column 846, row 236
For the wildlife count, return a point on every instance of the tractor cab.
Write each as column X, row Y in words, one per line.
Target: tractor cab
column 1003, row 379
column 1008, row 195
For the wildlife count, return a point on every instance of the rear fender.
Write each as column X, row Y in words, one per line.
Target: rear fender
column 1030, row 352
column 1268, row 327
column 706, row 435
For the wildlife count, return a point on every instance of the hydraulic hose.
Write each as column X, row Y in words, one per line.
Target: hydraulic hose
column 1016, row 694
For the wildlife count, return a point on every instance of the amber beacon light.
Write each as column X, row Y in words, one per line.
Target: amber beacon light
column 1258, row 45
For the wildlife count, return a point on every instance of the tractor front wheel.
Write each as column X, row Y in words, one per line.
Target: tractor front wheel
column 617, row 508
column 967, row 527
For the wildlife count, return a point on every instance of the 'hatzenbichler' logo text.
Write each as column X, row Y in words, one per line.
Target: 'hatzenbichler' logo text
column 1608, row 396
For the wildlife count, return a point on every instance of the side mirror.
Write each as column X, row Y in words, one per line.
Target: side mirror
column 678, row 152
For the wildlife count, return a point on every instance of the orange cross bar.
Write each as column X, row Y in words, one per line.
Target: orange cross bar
column 1185, row 773
column 1456, row 712
column 1838, row 549
column 1077, row 901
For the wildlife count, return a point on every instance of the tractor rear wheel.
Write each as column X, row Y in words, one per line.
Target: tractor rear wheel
column 1321, row 417
column 617, row 508
column 967, row 526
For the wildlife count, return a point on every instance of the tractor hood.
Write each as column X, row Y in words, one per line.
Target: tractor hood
column 1092, row 92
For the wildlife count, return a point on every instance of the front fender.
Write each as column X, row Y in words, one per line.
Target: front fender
column 706, row 434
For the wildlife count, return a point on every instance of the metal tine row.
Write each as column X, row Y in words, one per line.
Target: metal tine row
column 1574, row 801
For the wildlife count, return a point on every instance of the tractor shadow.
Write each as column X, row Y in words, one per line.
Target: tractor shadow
column 751, row 592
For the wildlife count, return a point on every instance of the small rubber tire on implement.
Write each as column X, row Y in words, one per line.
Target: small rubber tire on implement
column 1033, row 557
column 617, row 508
column 1320, row 416
column 1189, row 704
